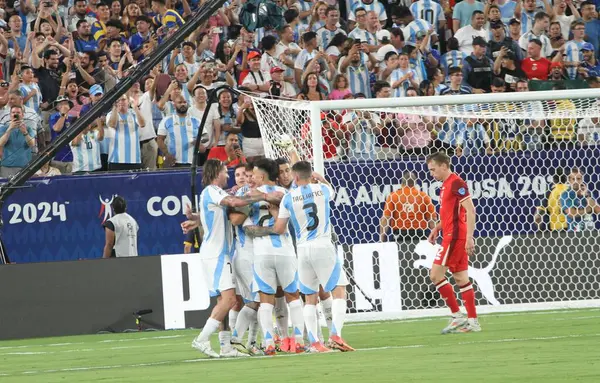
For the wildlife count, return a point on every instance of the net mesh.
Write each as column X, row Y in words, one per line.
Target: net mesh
column 527, row 164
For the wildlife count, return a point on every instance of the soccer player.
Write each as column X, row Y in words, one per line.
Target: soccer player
column 307, row 207
column 275, row 262
column 215, row 252
column 457, row 223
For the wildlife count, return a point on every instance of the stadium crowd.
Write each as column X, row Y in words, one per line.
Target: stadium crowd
column 59, row 58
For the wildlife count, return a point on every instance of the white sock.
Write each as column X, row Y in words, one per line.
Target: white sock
column 326, row 305
column 253, row 332
column 297, row 320
column 209, row 328
column 282, row 317
column 310, row 320
column 265, row 313
column 338, row 311
column 247, row 316
column 225, row 340
column 233, row 315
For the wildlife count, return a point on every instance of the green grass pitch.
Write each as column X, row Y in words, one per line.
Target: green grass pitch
column 556, row 346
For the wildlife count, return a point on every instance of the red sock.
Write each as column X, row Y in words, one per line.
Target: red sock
column 447, row 292
column 468, row 298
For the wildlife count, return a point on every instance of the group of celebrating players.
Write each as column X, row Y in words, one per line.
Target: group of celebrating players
column 282, row 246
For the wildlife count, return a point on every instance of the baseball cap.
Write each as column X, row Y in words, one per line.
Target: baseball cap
column 479, row 41
column 496, row 24
column 587, row 47
column 253, row 54
column 383, row 35
column 96, row 90
column 276, row 69
column 421, row 34
column 514, row 21
column 556, row 65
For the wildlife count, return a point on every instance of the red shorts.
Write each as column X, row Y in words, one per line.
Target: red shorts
column 453, row 255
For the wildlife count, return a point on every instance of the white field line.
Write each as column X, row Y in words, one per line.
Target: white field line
column 203, row 360
column 99, row 341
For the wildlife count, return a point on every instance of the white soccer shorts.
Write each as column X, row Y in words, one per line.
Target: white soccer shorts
column 243, row 274
column 274, row 270
column 217, row 274
column 318, row 264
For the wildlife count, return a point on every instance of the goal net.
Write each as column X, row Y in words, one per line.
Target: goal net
column 529, row 160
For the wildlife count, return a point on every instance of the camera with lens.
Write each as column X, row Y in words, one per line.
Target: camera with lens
column 275, row 90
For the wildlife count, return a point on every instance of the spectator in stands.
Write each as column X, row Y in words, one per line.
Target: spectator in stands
column 371, row 5
column 562, row 19
column 499, row 40
column 86, row 150
column 310, row 50
column 466, row 35
column 473, row 139
column 364, row 127
column 408, row 211
column 538, row 32
column 59, row 123
column 17, row 140
column 224, row 118
column 532, row 130
column 279, row 87
column 514, row 27
column 477, row 68
column 463, row 14
column 179, row 130
column 505, row 67
column 590, row 67
column 47, row 171
column 579, row 204
column 49, row 80
column 356, row 66
column 310, row 90
column 549, row 214
column 498, row 85
column 326, row 33
column 248, row 123
column 557, row 73
column 456, row 83
column 453, row 57
column 125, row 120
column 592, row 24
column 556, row 37
column 572, row 49
column 231, row 154
column 360, row 31
column 535, row 66
column 340, row 88
column 403, row 76
column 256, row 80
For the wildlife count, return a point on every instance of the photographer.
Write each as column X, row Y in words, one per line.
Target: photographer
column 231, row 154
column 279, row 87
column 17, row 139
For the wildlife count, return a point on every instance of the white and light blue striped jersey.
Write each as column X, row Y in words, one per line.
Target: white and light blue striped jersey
column 109, row 136
column 451, row 59
column 125, row 148
column 414, row 27
column 363, row 139
column 527, row 19
column 573, row 53
column 418, row 65
column 396, row 75
column 507, row 11
column 180, row 133
column 303, row 6
column 218, row 233
column 191, row 68
column 429, row 11
column 546, row 44
column 273, row 243
column 35, row 100
column 473, row 139
column 307, row 208
column 358, row 78
column 363, row 35
column 375, row 6
column 325, row 35
column 317, row 25
column 451, row 131
column 86, row 155
column 303, row 57
column 242, row 239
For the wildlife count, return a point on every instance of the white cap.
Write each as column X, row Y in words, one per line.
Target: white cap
column 383, row 34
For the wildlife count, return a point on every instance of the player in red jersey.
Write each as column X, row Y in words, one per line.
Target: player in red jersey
column 457, row 223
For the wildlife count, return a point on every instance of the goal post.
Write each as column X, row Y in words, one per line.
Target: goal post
column 515, row 150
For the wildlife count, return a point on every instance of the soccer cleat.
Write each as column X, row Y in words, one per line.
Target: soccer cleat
column 284, row 142
column 205, row 348
column 233, row 353
column 457, row 321
column 285, row 345
column 270, row 350
column 254, row 350
column 472, row 325
column 239, row 346
column 336, row 342
column 318, row 347
column 295, row 348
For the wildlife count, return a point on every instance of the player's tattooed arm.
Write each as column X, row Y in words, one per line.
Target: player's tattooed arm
column 258, row 231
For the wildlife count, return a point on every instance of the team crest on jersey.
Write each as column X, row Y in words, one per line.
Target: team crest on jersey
column 462, row 191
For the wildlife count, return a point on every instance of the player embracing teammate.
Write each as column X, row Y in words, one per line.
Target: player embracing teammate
column 457, row 224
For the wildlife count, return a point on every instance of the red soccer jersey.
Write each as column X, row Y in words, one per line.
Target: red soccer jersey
column 536, row 69
column 453, row 216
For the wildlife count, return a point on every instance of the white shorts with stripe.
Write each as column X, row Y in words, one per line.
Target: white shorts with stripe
column 272, row 270
column 217, row 274
column 318, row 264
column 244, row 277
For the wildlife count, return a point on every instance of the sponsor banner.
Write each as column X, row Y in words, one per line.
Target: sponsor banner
column 543, row 267
column 61, row 218
column 165, row 292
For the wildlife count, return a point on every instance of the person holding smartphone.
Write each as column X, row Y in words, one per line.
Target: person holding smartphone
column 17, row 141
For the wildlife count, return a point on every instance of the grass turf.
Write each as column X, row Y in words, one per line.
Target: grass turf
column 557, row 346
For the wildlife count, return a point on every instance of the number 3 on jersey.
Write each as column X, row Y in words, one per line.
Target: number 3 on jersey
column 311, row 213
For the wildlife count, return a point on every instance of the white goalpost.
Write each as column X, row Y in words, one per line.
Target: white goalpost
column 515, row 150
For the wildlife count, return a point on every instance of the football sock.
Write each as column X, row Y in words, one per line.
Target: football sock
column 225, row 340
column 310, row 320
column 326, row 305
column 282, row 317
column 247, row 316
column 297, row 320
column 468, row 297
column 338, row 313
column 233, row 315
column 209, row 328
column 265, row 313
column 447, row 292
